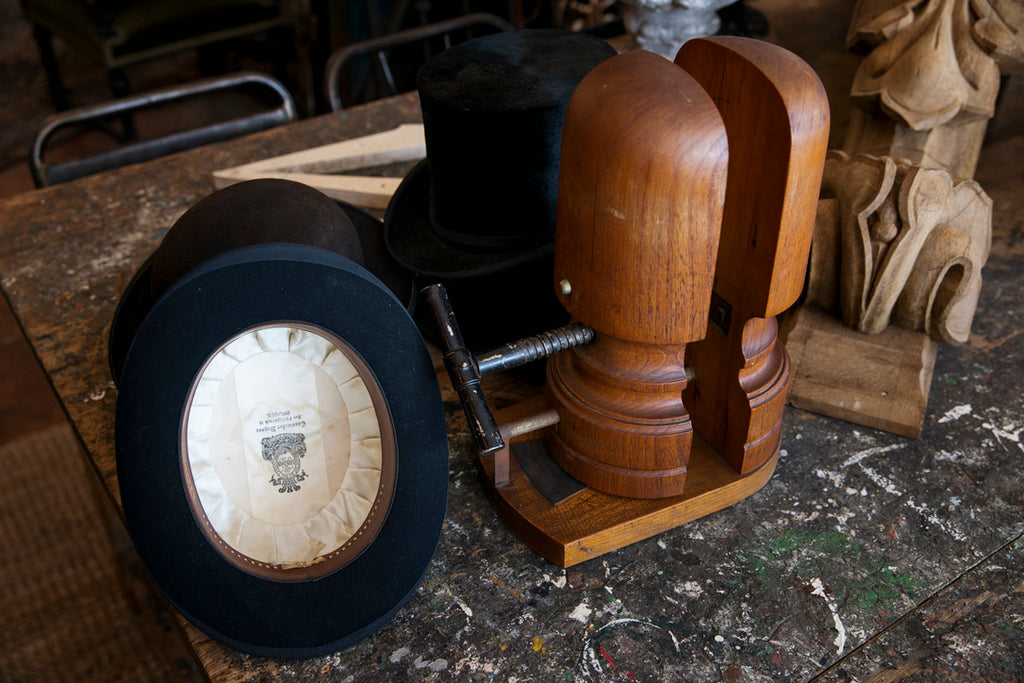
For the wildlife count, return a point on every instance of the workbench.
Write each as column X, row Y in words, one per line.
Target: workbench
column 866, row 554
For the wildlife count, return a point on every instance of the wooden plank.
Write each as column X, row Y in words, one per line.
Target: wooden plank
column 318, row 166
column 878, row 380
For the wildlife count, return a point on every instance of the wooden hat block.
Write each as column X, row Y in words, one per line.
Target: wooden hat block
column 686, row 193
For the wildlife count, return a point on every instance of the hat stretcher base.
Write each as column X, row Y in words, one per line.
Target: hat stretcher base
column 591, row 523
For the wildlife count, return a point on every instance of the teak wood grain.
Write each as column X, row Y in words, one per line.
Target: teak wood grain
column 591, row 522
column 682, row 186
column 641, row 184
column 776, row 113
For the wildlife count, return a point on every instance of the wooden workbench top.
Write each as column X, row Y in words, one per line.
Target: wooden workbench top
column 866, row 552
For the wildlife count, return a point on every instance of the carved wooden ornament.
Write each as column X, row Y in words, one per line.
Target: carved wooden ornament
column 899, row 244
column 901, row 238
column 934, row 62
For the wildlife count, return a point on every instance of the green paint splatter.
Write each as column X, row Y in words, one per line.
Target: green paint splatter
column 828, row 542
column 758, row 564
column 881, row 588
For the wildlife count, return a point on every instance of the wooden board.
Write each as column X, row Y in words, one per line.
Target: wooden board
column 877, row 380
column 317, row 166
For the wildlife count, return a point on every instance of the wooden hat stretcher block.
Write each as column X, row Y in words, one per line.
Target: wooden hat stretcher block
column 687, row 192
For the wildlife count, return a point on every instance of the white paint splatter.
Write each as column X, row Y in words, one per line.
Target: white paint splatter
column 956, row 412
column 690, row 589
column 881, row 481
column 557, row 582
column 1004, row 432
column 435, row 665
column 933, row 518
column 835, row 478
column 465, row 608
column 819, row 590
column 581, row 613
column 475, row 665
column 799, row 516
column 843, row 516
column 856, row 458
column 588, row 655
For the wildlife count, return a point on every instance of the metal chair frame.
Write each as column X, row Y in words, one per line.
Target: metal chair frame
column 45, row 174
column 376, row 48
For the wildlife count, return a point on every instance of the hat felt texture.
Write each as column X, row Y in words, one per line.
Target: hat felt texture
column 478, row 214
column 252, row 212
column 493, row 110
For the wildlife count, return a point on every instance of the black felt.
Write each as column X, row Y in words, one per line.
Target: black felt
column 252, row 212
column 224, row 296
column 498, row 296
column 493, row 109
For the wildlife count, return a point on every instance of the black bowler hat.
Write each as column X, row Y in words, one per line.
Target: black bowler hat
column 479, row 213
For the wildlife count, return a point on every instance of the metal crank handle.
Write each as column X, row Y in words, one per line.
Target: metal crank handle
column 465, row 370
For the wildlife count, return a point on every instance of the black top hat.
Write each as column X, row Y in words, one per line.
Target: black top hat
column 483, row 202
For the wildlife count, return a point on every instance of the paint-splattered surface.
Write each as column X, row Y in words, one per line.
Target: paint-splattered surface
column 867, row 556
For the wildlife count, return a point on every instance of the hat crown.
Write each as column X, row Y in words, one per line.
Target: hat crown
column 493, row 109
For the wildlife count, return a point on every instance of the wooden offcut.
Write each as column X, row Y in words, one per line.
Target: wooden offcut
column 878, row 380
column 329, row 168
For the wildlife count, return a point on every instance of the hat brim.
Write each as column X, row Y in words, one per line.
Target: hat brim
column 414, row 244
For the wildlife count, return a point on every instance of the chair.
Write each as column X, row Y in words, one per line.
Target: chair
column 119, row 33
column 279, row 110
column 378, row 48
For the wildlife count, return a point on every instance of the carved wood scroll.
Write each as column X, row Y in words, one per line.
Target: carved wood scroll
column 896, row 242
column 933, row 68
column 901, row 231
column 934, row 62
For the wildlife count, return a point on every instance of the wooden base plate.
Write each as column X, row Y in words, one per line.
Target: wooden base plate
column 592, row 523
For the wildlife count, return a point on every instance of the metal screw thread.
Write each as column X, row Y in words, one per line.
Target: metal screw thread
column 533, row 348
